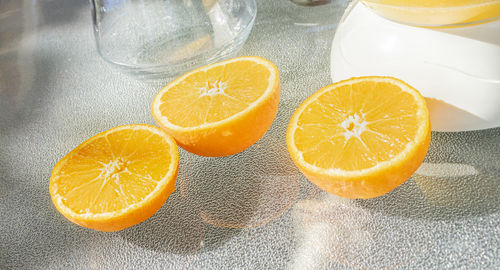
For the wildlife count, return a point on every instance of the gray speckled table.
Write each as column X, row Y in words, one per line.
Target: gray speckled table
column 253, row 210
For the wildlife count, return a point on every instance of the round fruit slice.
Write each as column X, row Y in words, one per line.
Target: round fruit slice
column 220, row 109
column 360, row 138
column 116, row 179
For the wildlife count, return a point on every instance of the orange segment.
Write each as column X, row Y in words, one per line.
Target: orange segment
column 220, row 109
column 117, row 178
column 360, row 138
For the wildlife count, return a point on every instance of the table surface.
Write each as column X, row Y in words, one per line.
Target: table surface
column 253, row 210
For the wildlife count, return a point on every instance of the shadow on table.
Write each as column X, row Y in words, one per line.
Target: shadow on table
column 26, row 70
column 241, row 191
column 217, row 236
column 33, row 234
column 63, row 12
column 460, row 178
column 176, row 228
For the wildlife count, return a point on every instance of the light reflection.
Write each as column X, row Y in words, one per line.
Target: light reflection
column 246, row 190
column 335, row 232
column 176, row 229
column 457, row 186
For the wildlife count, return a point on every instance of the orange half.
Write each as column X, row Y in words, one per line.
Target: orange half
column 220, row 109
column 360, row 138
column 117, row 178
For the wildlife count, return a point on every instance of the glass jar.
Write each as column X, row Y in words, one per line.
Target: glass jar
column 169, row 37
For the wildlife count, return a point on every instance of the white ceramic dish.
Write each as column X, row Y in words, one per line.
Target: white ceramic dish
column 456, row 69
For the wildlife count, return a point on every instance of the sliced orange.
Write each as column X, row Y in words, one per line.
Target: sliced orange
column 220, row 109
column 117, row 178
column 360, row 138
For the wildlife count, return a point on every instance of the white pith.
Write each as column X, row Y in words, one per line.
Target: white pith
column 354, row 126
column 217, row 88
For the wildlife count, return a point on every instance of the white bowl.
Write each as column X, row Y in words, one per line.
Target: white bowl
column 456, row 69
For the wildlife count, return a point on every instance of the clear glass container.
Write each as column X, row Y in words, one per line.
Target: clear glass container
column 437, row 13
column 169, row 37
column 311, row 2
